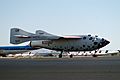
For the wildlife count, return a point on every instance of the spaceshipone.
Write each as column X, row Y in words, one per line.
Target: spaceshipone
column 46, row 40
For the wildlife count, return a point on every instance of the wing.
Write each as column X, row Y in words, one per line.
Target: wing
column 70, row 37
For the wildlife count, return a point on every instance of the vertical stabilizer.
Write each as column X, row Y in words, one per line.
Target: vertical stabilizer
column 18, row 36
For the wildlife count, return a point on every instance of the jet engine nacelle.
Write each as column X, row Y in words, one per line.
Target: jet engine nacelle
column 40, row 43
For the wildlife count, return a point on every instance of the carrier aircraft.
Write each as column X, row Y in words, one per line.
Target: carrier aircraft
column 5, row 50
column 67, row 43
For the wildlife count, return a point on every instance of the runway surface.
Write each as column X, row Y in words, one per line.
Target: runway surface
column 84, row 68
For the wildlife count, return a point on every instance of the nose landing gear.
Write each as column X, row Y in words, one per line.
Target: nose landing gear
column 71, row 56
column 60, row 55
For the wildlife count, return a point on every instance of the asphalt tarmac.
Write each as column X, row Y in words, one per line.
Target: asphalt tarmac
column 83, row 68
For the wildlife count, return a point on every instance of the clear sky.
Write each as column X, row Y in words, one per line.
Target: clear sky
column 62, row 17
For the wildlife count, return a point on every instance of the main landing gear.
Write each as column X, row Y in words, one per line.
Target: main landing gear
column 60, row 55
column 94, row 55
column 3, row 55
column 71, row 56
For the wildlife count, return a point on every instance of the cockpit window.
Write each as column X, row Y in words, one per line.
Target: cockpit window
column 89, row 35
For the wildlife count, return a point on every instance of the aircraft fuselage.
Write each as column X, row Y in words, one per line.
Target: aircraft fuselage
column 85, row 43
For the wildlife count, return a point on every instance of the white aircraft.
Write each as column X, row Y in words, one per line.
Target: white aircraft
column 69, row 43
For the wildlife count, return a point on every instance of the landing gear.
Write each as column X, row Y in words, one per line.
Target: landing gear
column 3, row 55
column 71, row 56
column 60, row 55
column 29, row 53
column 94, row 55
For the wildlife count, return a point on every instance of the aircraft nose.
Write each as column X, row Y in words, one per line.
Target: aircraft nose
column 103, row 43
column 107, row 42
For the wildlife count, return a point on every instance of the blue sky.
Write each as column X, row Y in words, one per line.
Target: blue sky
column 62, row 17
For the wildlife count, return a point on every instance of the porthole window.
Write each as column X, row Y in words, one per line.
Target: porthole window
column 102, row 39
column 95, row 43
column 83, row 45
column 96, row 38
column 89, row 35
column 60, row 47
column 88, row 46
column 90, row 38
column 100, row 51
column 84, row 38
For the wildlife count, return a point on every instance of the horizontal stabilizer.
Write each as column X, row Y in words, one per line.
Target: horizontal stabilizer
column 22, row 36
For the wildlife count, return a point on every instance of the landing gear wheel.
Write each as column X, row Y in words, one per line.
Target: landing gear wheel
column 94, row 55
column 3, row 55
column 60, row 55
column 71, row 56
